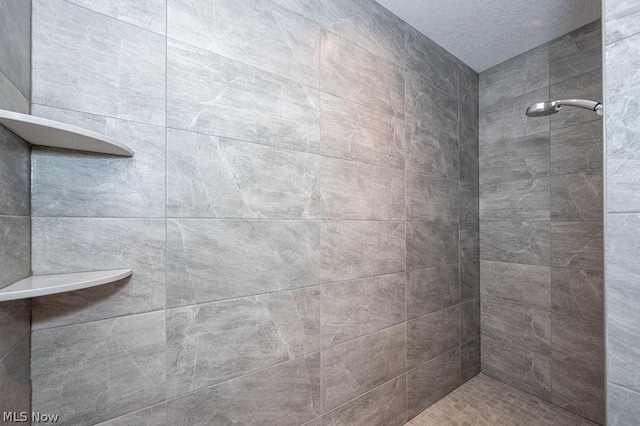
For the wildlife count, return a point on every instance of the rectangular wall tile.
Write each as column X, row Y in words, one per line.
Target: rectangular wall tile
column 432, row 335
column 12, row 99
column 432, row 198
column 209, row 94
column 578, row 366
column 214, row 342
column 210, row 260
column 15, row 378
column 354, row 191
column 468, row 127
column 287, row 394
column 577, row 196
column 257, row 33
column 384, row 406
column 360, row 249
column 15, row 172
column 148, row 14
column 116, row 69
column 577, row 149
column 66, row 183
column 469, row 281
column 525, row 158
column 15, row 249
column 15, row 317
column 429, row 107
column 355, row 308
column 522, row 328
column 352, row 368
column 431, row 243
column 433, row 380
column 577, row 293
column 470, row 320
column 577, row 245
column 15, row 52
column 469, row 242
column 469, row 203
column 353, row 132
column 525, row 285
column 524, row 370
column 516, row 242
column 353, row 73
column 96, row 371
column 520, row 200
column 432, row 151
column 156, row 415
column 621, row 19
column 367, row 24
column 583, row 86
column 215, row 177
column 470, row 358
column 63, row 245
column 623, row 406
column 432, row 289
column 576, row 52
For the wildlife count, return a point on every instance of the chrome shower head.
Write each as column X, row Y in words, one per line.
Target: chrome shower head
column 543, row 109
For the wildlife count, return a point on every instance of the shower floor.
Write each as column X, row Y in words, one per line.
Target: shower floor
column 486, row 401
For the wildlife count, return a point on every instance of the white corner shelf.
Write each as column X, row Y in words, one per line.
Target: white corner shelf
column 44, row 285
column 43, row 132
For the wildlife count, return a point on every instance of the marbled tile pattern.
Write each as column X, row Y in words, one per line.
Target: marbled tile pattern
column 14, row 174
column 15, row 52
column 484, row 401
column 148, row 14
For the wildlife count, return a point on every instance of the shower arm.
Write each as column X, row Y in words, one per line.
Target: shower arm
column 582, row 103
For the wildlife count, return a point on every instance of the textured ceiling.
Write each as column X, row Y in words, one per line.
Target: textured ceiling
column 484, row 33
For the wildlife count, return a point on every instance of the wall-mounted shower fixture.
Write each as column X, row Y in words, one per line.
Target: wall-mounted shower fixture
column 542, row 109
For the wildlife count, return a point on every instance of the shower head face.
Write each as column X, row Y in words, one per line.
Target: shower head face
column 543, row 109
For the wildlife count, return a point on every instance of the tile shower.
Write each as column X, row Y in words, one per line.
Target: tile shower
column 319, row 199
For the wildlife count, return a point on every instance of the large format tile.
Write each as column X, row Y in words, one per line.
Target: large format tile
column 577, row 196
column 432, row 151
column 12, row 99
column 469, row 281
column 72, row 184
column 470, row 358
column 15, row 379
column 210, row 94
column 433, row 380
column 469, row 203
column 516, row 242
column 63, row 245
column 156, row 415
column 210, row 260
column 576, row 52
column 384, row 406
column 469, row 242
column 354, row 367
column 522, row 369
column 577, row 293
column 584, row 86
column 15, row 249
column 96, row 371
column 15, row 317
column 255, row 32
column 525, row 285
column 577, row 149
column 148, row 14
column 425, row 57
column 432, row 335
column 284, row 395
column 623, row 107
column 623, row 406
column 355, row 191
column 429, row 107
column 431, row 243
column 361, row 249
column 353, row 132
column 470, row 320
column 520, row 200
column 578, row 366
column 577, row 245
column 15, row 52
column 214, row 342
column 367, row 24
column 15, row 172
column 621, row 19
column 432, row 289
column 468, row 127
column 355, row 308
column 505, row 120
column 221, row 178
column 307, row 8
column 515, row 77
column 431, row 198
column 517, row 327
column 86, row 61
column 354, row 74
column 623, row 323
column 525, row 158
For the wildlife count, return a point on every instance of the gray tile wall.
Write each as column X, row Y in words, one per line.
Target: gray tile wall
column 541, row 226
column 301, row 214
column 622, row 221
column 15, row 234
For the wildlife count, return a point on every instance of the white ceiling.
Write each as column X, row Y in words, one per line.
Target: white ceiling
column 484, row 33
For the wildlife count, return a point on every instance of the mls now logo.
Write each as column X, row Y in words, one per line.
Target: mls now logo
column 23, row 416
